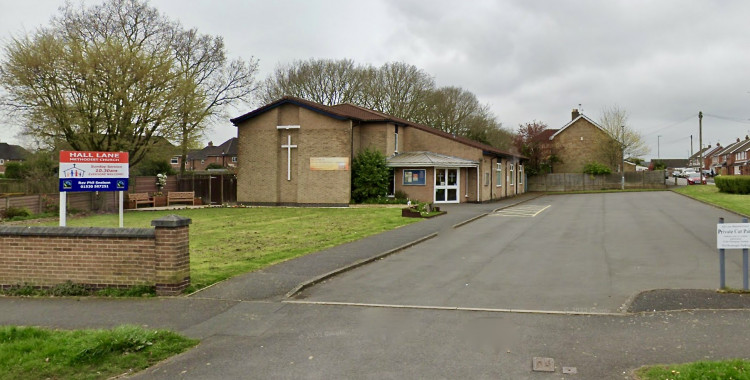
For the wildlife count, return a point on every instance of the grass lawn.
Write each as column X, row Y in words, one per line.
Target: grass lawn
column 710, row 194
column 34, row 353
column 730, row 369
column 225, row 242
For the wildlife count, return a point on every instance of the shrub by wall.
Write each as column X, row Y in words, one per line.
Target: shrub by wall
column 733, row 184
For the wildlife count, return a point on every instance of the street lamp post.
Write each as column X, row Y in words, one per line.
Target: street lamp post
column 622, row 166
column 658, row 153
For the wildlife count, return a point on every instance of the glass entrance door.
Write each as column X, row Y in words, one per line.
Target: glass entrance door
column 446, row 185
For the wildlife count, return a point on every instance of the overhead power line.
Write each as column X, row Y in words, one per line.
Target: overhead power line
column 734, row 119
column 659, row 129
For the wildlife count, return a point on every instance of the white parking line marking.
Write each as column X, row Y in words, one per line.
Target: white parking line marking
column 528, row 211
column 453, row 308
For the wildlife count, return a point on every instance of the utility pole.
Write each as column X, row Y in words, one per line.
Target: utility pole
column 622, row 166
column 691, row 147
column 700, row 140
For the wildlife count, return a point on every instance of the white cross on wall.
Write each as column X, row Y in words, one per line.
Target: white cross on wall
column 288, row 146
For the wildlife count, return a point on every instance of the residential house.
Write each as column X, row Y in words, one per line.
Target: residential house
column 732, row 160
column 578, row 143
column 224, row 155
column 11, row 153
column 298, row 152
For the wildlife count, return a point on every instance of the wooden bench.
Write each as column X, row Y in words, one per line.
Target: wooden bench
column 140, row 199
column 181, row 196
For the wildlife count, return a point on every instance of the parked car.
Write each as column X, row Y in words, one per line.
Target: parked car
column 695, row 179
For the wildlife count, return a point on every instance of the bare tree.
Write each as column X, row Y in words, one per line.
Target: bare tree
column 324, row 81
column 208, row 83
column 625, row 140
column 398, row 89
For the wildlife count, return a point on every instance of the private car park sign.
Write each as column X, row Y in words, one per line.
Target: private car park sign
column 733, row 236
column 92, row 171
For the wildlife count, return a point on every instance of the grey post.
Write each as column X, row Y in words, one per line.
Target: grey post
column 722, row 278
column 744, row 263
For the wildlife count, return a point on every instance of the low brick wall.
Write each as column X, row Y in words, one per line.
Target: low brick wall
column 98, row 257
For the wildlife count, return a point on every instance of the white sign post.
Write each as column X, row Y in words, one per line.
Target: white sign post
column 92, row 171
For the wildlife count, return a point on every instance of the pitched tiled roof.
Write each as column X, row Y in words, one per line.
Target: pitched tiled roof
column 228, row 148
column 428, row 159
column 12, row 152
column 351, row 112
column 580, row 116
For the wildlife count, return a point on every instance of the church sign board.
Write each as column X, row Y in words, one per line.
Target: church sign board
column 93, row 171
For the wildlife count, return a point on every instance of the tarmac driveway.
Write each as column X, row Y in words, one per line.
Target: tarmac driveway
column 585, row 253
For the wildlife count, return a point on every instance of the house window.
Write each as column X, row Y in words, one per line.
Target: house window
column 499, row 172
column 520, row 174
column 511, row 172
column 175, row 160
column 234, row 159
column 203, row 162
column 2, row 162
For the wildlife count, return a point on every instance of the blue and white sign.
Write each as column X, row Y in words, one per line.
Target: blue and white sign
column 93, row 171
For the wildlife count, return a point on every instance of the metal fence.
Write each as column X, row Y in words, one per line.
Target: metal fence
column 584, row 182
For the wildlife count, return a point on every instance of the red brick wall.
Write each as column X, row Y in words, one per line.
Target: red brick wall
column 98, row 257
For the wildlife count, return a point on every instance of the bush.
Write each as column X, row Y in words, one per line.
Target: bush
column 14, row 170
column 733, row 184
column 154, row 167
column 596, row 168
column 369, row 176
column 14, row 212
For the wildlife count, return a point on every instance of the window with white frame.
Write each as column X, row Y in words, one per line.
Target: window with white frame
column 511, row 172
column 234, row 159
column 2, row 162
column 499, row 172
column 175, row 160
column 520, row 174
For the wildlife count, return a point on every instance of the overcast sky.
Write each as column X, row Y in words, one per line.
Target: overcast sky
column 661, row 61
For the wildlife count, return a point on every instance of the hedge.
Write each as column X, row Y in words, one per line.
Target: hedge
column 733, row 184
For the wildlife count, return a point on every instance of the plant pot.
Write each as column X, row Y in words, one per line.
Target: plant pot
column 160, row 200
column 410, row 213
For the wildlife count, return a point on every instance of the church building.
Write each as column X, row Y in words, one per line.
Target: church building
column 297, row 152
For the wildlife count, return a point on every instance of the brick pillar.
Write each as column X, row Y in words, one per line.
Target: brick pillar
column 172, row 254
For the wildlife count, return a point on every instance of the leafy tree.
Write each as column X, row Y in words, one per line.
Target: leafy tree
column 527, row 141
column 624, row 140
column 114, row 77
column 369, row 175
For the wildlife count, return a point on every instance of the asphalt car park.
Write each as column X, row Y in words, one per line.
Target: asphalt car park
column 588, row 253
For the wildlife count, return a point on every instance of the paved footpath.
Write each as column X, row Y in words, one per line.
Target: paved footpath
column 249, row 329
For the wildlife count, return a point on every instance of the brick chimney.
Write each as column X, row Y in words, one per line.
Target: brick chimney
column 575, row 113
